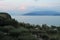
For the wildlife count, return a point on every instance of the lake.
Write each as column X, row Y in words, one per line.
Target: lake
column 50, row 20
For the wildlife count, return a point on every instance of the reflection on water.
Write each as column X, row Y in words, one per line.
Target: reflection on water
column 50, row 20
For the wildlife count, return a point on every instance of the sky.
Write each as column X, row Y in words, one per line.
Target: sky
column 18, row 7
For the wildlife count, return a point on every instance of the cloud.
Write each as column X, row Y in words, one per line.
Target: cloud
column 45, row 5
column 23, row 5
column 1, row 0
column 7, row 6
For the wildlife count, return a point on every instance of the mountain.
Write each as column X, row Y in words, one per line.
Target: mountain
column 43, row 13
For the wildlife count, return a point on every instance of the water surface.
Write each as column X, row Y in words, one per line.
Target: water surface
column 50, row 20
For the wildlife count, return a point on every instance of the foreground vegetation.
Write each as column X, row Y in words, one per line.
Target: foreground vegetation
column 11, row 29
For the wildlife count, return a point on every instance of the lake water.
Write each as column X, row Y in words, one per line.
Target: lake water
column 50, row 20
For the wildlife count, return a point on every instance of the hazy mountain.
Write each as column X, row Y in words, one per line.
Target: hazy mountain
column 43, row 13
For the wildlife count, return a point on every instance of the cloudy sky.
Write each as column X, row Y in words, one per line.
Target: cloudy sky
column 18, row 7
column 23, row 6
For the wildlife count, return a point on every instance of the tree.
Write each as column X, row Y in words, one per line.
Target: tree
column 39, row 27
column 45, row 27
column 11, row 22
column 53, row 27
column 2, row 20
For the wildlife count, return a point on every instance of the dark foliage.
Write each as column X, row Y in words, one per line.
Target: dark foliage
column 10, row 29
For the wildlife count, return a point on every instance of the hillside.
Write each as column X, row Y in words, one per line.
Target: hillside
column 5, row 15
column 11, row 29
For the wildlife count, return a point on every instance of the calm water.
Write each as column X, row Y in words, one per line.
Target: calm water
column 50, row 20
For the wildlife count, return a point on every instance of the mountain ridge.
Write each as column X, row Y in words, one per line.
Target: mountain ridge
column 43, row 13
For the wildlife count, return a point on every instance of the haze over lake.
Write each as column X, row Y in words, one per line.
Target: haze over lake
column 50, row 20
